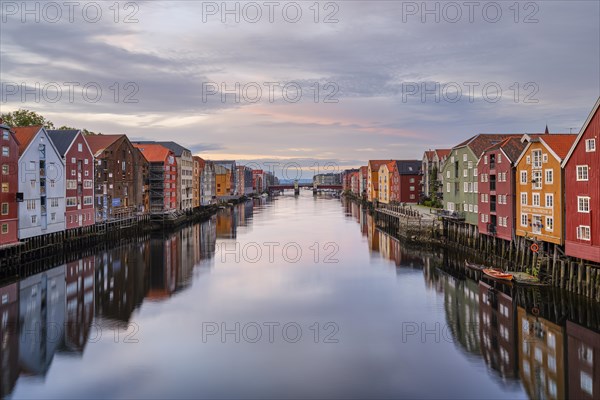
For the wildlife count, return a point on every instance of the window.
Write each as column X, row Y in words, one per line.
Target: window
column 524, row 199
column 448, row 174
column 88, row 200
column 535, row 199
column 475, row 208
column 5, row 187
column 79, row 147
column 470, row 165
column 5, row 151
column 54, row 202
column 523, row 177
column 537, row 158
column 85, row 161
column 73, row 172
column 549, row 200
column 536, row 224
column 590, row 145
column 583, row 204
column 71, row 201
column 53, row 217
column 582, row 172
column 549, row 223
column 524, row 220
column 31, row 204
column 412, row 180
column 474, row 171
column 536, row 180
column 4, row 229
column 528, row 160
column 583, row 232
column 475, row 187
column 4, row 208
column 465, row 187
column 545, row 158
column 549, row 176
column 448, row 187
column 5, row 135
column 482, row 198
column 586, row 383
column 470, row 207
column 412, row 188
column 5, row 169
column 465, row 173
column 465, row 207
column 465, row 157
column 34, row 219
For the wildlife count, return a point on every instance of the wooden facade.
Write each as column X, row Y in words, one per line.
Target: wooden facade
column 405, row 176
column 539, row 188
column 582, row 191
column 119, row 185
column 79, row 177
column 373, row 178
column 9, row 160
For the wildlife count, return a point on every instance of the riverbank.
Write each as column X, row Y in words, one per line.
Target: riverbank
column 57, row 246
column 548, row 263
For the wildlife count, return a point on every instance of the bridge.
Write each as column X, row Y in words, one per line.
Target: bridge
column 296, row 186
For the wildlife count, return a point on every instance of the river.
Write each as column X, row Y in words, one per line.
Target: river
column 296, row 297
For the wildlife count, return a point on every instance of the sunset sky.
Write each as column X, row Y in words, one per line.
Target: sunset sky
column 374, row 61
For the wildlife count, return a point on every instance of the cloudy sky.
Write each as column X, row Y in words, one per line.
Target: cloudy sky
column 338, row 82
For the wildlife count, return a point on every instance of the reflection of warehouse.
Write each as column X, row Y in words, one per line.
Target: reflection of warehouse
column 42, row 312
column 497, row 330
column 164, row 259
column 80, row 303
column 583, row 347
column 461, row 301
column 9, row 356
column 541, row 351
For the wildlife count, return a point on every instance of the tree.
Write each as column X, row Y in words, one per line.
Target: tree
column 26, row 118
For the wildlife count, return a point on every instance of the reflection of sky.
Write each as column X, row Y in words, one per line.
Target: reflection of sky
column 364, row 296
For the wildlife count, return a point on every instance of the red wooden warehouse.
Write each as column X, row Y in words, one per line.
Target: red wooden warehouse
column 496, row 186
column 582, row 191
column 9, row 159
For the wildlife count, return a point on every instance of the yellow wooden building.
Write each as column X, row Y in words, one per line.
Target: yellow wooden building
column 539, row 187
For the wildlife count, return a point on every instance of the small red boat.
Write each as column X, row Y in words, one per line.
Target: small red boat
column 497, row 274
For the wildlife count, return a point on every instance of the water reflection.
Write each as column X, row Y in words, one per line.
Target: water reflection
column 540, row 344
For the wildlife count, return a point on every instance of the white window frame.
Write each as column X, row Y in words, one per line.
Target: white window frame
column 583, row 201
column 550, row 227
column 580, row 235
column 524, row 198
column 535, row 200
column 583, row 173
column 523, row 175
column 551, row 197
column 551, row 180
column 590, row 145
column 524, row 216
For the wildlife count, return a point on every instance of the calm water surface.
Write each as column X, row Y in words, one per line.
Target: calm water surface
column 296, row 297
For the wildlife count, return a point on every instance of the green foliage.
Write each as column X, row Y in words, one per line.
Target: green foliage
column 26, row 118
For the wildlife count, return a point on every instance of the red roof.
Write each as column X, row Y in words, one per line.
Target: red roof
column 153, row 152
column 25, row 135
column 375, row 164
column 559, row 143
column 441, row 153
column 98, row 143
column 429, row 154
column 200, row 161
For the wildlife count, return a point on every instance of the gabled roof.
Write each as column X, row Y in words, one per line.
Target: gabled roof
column 176, row 148
column 582, row 131
column 408, row 167
column 512, row 147
column 25, row 135
column 219, row 169
column 429, row 154
column 482, row 141
column 62, row 139
column 558, row 144
column 153, row 152
column 200, row 161
column 10, row 130
column 441, row 153
column 375, row 164
column 98, row 143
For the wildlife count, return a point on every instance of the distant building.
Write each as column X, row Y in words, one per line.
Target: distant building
column 118, row 180
column 162, row 177
column 79, row 177
column 185, row 171
column 362, row 185
column 404, row 179
column 222, row 181
column 41, row 183
column 431, row 167
column 373, row 178
column 196, row 177
column 328, row 179
column 384, row 187
column 244, row 180
column 258, row 180
column 9, row 160
column 208, row 189
column 230, row 185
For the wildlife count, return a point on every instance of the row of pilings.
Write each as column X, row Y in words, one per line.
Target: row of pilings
column 548, row 263
column 41, row 251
